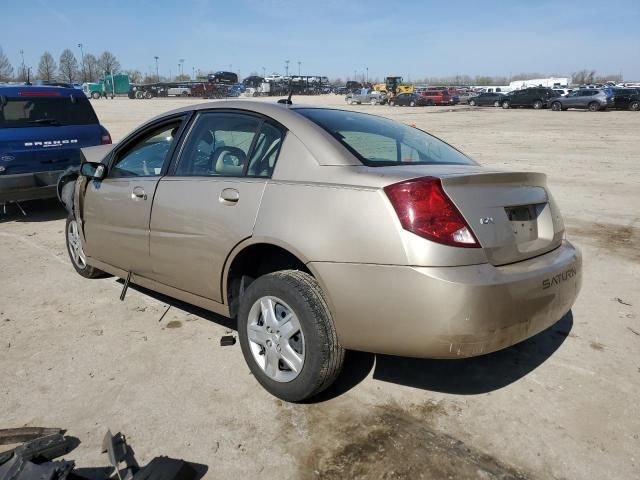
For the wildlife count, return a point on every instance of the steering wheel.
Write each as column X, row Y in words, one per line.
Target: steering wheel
column 219, row 152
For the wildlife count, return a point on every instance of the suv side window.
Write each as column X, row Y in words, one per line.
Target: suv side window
column 218, row 145
column 145, row 156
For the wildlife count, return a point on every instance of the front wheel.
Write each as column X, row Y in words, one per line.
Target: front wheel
column 496, row 103
column 412, row 103
column 76, row 253
column 594, row 107
column 95, row 95
column 556, row 106
column 392, row 103
column 287, row 336
column 505, row 105
column 472, row 103
column 634, row 106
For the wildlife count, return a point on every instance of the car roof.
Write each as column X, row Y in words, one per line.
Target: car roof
column 14, row 90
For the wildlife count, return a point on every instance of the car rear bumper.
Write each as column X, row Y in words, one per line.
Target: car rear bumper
column 28, row 186
column 449, row 312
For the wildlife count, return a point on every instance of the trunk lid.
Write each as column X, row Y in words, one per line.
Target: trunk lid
column 512, row 214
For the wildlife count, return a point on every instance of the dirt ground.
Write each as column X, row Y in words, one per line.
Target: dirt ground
column 562, row 405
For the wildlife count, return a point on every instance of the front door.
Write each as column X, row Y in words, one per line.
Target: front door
column 210, row 200
column 117, row 209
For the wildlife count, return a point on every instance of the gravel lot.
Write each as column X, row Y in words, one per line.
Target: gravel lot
column 562, row 405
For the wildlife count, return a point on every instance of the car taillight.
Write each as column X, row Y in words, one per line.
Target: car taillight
column 424, row 209
column 106, row 138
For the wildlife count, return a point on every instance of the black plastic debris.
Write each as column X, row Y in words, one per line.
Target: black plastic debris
column 227, row 340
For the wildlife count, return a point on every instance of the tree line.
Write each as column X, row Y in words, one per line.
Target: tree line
column 68, row 68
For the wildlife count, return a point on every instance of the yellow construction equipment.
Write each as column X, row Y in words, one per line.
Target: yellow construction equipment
column 393, row 86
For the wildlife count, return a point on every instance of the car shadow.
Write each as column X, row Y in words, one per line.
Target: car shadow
column 468, row 376
column 33, row 211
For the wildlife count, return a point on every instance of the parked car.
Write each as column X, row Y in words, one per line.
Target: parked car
column 535, row 97
column 406, row 100
column 179, row 91
column 464, row 97
column 228, row 78
column 321, row 230
column 626, row 99
column 593, row 99
column 487, row 99
column 41, row 132
column 366, row 96
column 563, row 92
column 438, row 97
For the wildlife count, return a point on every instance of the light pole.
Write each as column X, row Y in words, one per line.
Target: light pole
column 182, row 66
column 84, row 74
column 286, row 67
column 264, row 72
column 157, row 71
column 367, row 74
column 24, row 75
column 355, row 75
column 299, row 63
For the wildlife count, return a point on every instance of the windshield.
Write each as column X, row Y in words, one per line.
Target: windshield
column 379, row 142
column 46, row 111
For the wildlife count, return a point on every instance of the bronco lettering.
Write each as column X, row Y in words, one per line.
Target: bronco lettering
column 559, row 278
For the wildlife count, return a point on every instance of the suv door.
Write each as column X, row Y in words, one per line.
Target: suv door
column 210, row 200
column 116, row 210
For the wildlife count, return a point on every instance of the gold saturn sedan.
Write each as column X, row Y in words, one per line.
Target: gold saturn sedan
column 321, row 230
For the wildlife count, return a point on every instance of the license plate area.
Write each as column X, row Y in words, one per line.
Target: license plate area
column 524, row 221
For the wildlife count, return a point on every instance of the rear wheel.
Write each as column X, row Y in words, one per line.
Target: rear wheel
column 635, row 106
column 556, row 106
column 505, row 104
column 76, row 253
column 472, row 102
column 538, row 104
column 148, row 95
column 95, row 95
column 139, row 94
column 374, row 101
column 594, row 107
column 392, row 103
column 496, row 103
column 412, row 103
column 287, row 335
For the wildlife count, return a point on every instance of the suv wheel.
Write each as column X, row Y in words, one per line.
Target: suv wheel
column 472, row 102
column 556, row 106
column 76, row 253
column 635, row 106
column 538, row 104
column 594, row 107
column 287, row 335
column 496, row 103
column 505, row 104
column 412, row 103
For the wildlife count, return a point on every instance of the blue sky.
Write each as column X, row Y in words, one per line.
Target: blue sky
column 336, row 37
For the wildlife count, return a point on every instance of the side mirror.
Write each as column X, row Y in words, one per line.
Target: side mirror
column 94, row 170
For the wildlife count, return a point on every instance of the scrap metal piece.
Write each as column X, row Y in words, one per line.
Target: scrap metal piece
column 25, row 434
column 227, row 340
column 125, row 287
column 165, row 468
column 20, row 464
column 119, row 452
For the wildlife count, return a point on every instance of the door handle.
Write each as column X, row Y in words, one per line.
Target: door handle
column 138, row 192
column 229, row 196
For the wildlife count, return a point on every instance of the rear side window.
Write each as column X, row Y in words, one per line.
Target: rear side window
column 379, row 142
column 46, row 111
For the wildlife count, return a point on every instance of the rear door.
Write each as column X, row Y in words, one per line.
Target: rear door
column 210, row 201
column 117, row 209
column 44, row 131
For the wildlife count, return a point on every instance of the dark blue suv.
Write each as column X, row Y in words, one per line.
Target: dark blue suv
column 42, row 130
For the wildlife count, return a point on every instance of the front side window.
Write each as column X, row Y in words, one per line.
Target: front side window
column 145, row 156
column 218, row 145
column 379, row 142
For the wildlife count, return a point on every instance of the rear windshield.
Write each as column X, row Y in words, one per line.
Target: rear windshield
column 379, row 142
column 46, row 111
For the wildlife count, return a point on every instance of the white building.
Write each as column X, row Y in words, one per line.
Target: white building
column 551, row 82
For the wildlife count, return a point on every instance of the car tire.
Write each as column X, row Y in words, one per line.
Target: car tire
column 76, row 254
column 472, row 103
column 312, row 343
column 505, row 104
column 95, row 95
column 537, row 105
column 374, row 101
column 634, row 106
column 556, row 106
column 496, row 103
column 148, row 95
column 392, row 103
column 350, row 102
column 594, row 107
column 412, row 103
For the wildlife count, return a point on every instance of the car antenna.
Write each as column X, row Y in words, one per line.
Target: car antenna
column 288, row 101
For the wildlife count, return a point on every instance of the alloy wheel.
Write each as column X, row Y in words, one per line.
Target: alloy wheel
column 75, row 247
